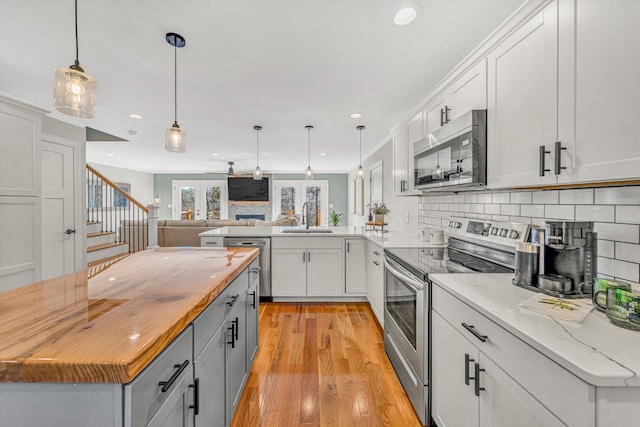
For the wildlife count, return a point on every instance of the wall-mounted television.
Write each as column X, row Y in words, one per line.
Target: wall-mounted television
column 247, row 189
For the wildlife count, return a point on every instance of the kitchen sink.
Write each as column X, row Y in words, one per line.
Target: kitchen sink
column 306, row 231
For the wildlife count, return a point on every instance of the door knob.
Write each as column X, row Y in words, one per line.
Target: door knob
column 70, row 231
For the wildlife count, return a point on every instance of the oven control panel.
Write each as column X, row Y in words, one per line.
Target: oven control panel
column 492, row 233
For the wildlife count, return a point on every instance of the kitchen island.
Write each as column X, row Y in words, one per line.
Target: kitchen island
column 69, row 345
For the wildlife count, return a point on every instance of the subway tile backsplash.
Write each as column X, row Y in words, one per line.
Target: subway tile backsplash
column 615, row 212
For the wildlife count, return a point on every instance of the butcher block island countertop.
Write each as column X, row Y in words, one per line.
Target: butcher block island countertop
column 107, row 329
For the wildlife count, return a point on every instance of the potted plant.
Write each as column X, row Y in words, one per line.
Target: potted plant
column 379, row 210
column 335, row 218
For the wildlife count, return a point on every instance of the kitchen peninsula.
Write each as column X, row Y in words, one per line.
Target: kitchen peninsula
column 111, row 350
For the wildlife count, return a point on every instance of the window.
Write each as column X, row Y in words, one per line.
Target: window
column 199, row 200
column 290, row 196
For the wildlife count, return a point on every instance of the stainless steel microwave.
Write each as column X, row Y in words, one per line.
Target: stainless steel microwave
column 453, row 156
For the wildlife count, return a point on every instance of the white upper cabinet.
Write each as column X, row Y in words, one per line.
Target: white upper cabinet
column 522, row 104
column 467, row 92
column 599, row 90
column 403, row 140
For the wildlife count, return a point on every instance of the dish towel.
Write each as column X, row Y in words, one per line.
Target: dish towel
column 572, row 310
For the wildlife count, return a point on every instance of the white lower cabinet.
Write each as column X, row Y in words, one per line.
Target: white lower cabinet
column 236, row 363
column 303, row 267
column 483, row 376
column 178, row 409
column 375, row 280
column 355, row 265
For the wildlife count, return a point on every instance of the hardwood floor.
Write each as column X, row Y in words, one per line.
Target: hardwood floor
column 322, row 364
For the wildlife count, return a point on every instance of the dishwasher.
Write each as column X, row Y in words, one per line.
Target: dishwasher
column 264, row 244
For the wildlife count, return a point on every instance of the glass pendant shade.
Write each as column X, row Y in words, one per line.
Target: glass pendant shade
column 257, row 174
column 360, row 172
column 175, row 139
column 75, row 93
column 360, row 175
column 309, row 173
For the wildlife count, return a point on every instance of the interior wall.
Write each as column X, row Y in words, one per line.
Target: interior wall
column 337, row 188
column 141, row 182
column 403, row 215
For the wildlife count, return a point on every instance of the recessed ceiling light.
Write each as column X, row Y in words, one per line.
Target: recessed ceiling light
column 323, row 154
column 135, row 116
column 355, row 115
column 406, row 14
column 132, row 132
column 215, row 154
column 110, row 154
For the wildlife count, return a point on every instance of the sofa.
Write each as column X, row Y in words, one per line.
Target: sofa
column 181, row 232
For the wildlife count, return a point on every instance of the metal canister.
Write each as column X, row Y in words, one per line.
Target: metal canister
column 526, row 266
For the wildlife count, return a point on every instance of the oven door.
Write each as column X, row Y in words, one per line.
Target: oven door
column 404, row 315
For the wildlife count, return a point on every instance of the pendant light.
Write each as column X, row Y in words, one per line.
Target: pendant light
column 360, row 170
column 230, row 172
column 309, row 172
column 437, row 174
column 175, row 138
column 257, row 174
column 74, row 91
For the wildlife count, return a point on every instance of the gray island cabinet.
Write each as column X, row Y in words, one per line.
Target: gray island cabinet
column 197, row 379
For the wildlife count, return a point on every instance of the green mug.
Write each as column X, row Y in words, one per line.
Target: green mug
column 623, row 308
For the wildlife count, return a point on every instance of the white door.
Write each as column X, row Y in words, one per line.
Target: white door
column 199, row 200
column 503, row 402
column 290, row 196
column 522, row 104
column 59, row 233
column 324, row 272
column 454, row 402
column 289, row 272
column 600, row 91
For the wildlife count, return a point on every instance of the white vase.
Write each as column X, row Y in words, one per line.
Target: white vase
column 379, row 217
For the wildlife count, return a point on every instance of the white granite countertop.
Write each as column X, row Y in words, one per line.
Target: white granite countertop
column 596, row 351
column 389, row 239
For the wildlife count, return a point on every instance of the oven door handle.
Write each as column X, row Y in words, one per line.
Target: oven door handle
column 399, row 272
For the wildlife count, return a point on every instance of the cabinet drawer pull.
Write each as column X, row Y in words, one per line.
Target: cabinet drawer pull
column 235, row 329
column 253, row 295
column 166, row 385
column 210, row 243
column 376, row 253
column 558, row 152
column 473, row 330
column 233, row 300
column 196, row 396
column 376, row 262
column 478, row 389
column 255, row 270
column 233, row 341
column 467, row 360
column 541, row 162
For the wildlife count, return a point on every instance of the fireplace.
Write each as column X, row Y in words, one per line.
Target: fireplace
column 249, row 216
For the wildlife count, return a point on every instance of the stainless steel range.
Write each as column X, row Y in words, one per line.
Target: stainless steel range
column 474, row 246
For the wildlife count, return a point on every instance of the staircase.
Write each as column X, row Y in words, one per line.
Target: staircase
column 116, row 223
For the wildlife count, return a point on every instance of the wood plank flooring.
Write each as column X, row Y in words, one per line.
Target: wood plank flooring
column 322, row 364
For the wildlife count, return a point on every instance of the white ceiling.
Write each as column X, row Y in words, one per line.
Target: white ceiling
column 281, row 64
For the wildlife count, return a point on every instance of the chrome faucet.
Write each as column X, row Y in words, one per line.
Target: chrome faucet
column 305, row 210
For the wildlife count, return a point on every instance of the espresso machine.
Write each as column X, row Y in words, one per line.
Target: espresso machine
column 570, row 258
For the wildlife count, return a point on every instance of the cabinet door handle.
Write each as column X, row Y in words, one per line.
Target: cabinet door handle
column 166, row 385
column 376, row 262
column 233, row 300
column 255, row 270
column 467, row 360
column 473, row 330
column 376, row 253
column 447, row 110
column 478, row 389
column 441, row 117
column 70, row 230
column 558, row 160
column 304, row 256
column 233, row 341
column 253, row 295
column 348, row 246
column 196, row 396
column 235, row 329
column 308, row 256
column 541, row 162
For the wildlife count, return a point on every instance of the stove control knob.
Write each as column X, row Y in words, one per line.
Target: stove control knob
column 494, row 231
column 504, row 232
column 456, row 224
column 514, row 234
